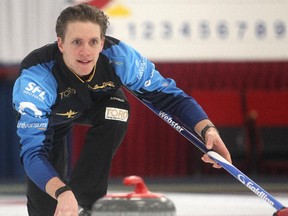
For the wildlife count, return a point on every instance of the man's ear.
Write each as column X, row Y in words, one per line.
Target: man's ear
column 60, row 44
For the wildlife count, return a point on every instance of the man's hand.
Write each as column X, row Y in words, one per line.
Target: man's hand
column 67, row 205
column 215, row 143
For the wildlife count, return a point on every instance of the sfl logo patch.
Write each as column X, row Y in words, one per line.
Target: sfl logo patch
column 35, row 91
column 116, row 114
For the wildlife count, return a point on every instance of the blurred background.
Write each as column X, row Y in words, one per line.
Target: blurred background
column 230, row 55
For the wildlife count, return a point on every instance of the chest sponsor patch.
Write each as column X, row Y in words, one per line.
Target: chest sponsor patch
column 116, row 114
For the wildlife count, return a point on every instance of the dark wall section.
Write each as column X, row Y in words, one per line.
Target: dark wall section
column 10, row 167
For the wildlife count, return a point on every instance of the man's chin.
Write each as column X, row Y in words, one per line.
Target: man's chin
column 85, row 73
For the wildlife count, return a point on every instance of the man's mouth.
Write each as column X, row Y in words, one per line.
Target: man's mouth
column 84, row 61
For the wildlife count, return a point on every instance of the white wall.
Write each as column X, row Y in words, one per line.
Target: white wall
column 26, row 25
column 178, row 30
column 162, row 30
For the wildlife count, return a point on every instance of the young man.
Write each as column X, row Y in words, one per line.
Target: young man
column 78, row 80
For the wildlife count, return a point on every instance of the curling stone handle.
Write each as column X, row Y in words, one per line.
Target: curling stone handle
column 140, row 186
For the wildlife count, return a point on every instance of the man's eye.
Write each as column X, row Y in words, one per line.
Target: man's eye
column 76, row 42
column 93, row 42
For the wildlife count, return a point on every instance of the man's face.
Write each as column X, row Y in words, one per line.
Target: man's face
column 81, row 46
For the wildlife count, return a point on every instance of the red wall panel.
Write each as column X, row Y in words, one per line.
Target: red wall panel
column 152, row 148
column 224, row 107
column 271, row 107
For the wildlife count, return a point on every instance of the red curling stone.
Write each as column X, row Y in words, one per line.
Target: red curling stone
column 281, row 212
column 141, row 202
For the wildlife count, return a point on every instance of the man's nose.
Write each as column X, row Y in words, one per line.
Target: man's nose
column 86, row 49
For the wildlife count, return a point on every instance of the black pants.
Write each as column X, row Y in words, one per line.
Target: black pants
column 89, row 178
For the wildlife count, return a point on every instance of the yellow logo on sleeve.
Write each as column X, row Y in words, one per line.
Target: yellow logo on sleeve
column 69, row 114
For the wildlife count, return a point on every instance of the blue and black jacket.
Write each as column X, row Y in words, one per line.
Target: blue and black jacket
column 48, row 94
